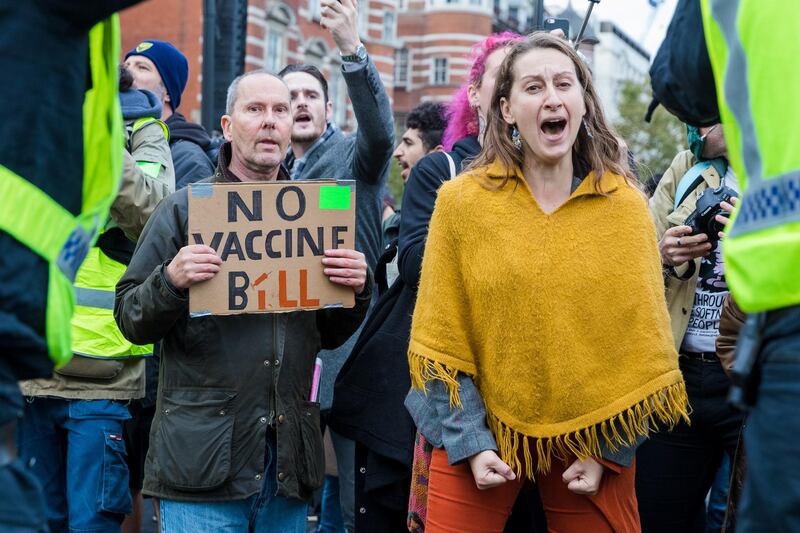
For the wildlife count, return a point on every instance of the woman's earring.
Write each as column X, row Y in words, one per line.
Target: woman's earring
column 586, row 127
column 515, row 138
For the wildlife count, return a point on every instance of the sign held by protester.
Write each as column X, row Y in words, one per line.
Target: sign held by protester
column 271, row 238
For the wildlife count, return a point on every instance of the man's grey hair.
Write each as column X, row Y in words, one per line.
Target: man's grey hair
column 233, row 88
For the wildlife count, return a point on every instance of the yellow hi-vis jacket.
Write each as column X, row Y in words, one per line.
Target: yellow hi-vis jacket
column 753, row 47
column 34, row 219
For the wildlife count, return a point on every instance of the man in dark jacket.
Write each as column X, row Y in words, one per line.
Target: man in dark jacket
column 235, row 439
column 162, row 69
column 320, row 151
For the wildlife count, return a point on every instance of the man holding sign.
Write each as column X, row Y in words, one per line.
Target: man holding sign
column 236, row 438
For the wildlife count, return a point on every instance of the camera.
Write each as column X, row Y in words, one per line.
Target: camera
column 708, row 206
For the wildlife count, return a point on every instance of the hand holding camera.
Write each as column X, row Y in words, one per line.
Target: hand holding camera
column 710, row 216
column 702, row 229
column 678, row 245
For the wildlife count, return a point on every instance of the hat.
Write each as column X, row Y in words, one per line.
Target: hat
column 170, row 63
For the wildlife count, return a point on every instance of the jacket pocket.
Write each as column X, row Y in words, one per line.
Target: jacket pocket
column 115, row 496
column 87, row 367
column 311, row 469
column 192, row 443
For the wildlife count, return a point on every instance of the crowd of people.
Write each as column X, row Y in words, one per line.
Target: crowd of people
column 537, row 342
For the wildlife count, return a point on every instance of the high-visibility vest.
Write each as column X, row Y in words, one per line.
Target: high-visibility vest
column 37, row 221
column 95, row 333
column 753, row 46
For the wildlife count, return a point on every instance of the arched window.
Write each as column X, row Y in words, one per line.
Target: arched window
column 279, row 19
column 337, row 93
column 316, row 51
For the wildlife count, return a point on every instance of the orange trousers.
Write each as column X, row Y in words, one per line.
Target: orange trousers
column 455, row 505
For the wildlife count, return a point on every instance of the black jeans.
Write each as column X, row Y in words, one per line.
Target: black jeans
column 675, row 470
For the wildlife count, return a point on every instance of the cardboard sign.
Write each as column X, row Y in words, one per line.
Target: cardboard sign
column 271, row 238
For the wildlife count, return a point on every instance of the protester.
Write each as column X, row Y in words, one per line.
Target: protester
column 321, row 151
column 763, row 244
column 235, row 440
column 676, row 469
column 162, row 69
column 74, row 421
column 761, row 247
column 425, row 126
column 369, row 394
column 549, row 178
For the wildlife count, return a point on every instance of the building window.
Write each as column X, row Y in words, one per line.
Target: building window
column 275, row 50
column 388, row 26
column 279, row 19
column 439, row 73
column 363, row 18
column 401, row 68
column 315, row 55
column 402, row 5
column 314, row 9
column 337, row 94
column 476, row 2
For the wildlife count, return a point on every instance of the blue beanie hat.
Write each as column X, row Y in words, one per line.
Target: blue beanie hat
column 171, row 65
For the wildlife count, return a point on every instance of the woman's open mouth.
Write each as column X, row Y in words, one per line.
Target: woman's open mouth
column 554, row 127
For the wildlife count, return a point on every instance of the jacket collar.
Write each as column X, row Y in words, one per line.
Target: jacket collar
column 223, row 173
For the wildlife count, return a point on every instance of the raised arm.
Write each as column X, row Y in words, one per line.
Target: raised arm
column 375, row 134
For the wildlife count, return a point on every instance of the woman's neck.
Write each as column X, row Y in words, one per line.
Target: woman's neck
column 550, row 183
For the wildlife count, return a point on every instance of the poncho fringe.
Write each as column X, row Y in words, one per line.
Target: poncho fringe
column 666, row 406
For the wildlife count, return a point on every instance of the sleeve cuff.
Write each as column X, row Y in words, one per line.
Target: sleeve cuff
column 168, row 289
column 354, row 66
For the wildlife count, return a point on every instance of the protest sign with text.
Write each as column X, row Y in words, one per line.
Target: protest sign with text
column 271, row 237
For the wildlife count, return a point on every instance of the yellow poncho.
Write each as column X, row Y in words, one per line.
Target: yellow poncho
column 559, row 318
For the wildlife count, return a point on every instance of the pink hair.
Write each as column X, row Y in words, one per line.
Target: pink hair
column 462, row 118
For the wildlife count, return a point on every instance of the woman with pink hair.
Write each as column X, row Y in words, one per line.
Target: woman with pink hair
column 465, row 114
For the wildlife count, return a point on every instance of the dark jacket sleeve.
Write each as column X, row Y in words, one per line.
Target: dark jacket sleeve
column 730, row 323
column 146, row 305
column 418, row 200
column 191, row 163
column 338, row 324
column 375, row 134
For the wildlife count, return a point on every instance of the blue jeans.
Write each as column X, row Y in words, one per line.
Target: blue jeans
column 771, row 494
column 260, row 513
column 718, row 497
column 76, row 451
column 22, row 508
column 330, row 517
column 345, row 464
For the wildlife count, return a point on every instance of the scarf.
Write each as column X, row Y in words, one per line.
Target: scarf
column 559, row 318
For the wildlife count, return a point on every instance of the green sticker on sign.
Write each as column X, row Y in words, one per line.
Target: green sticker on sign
column 334, row 197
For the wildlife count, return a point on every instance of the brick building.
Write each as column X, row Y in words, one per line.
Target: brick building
column 420, row 47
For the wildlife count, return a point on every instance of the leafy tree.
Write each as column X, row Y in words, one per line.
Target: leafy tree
column 654, row 144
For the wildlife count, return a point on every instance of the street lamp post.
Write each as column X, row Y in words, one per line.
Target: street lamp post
column 209, row 64
column 538, row 14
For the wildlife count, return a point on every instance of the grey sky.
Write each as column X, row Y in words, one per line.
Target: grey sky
column 638, row 18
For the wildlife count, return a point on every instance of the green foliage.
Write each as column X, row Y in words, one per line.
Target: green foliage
column 654, row 144
column 395, row 182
